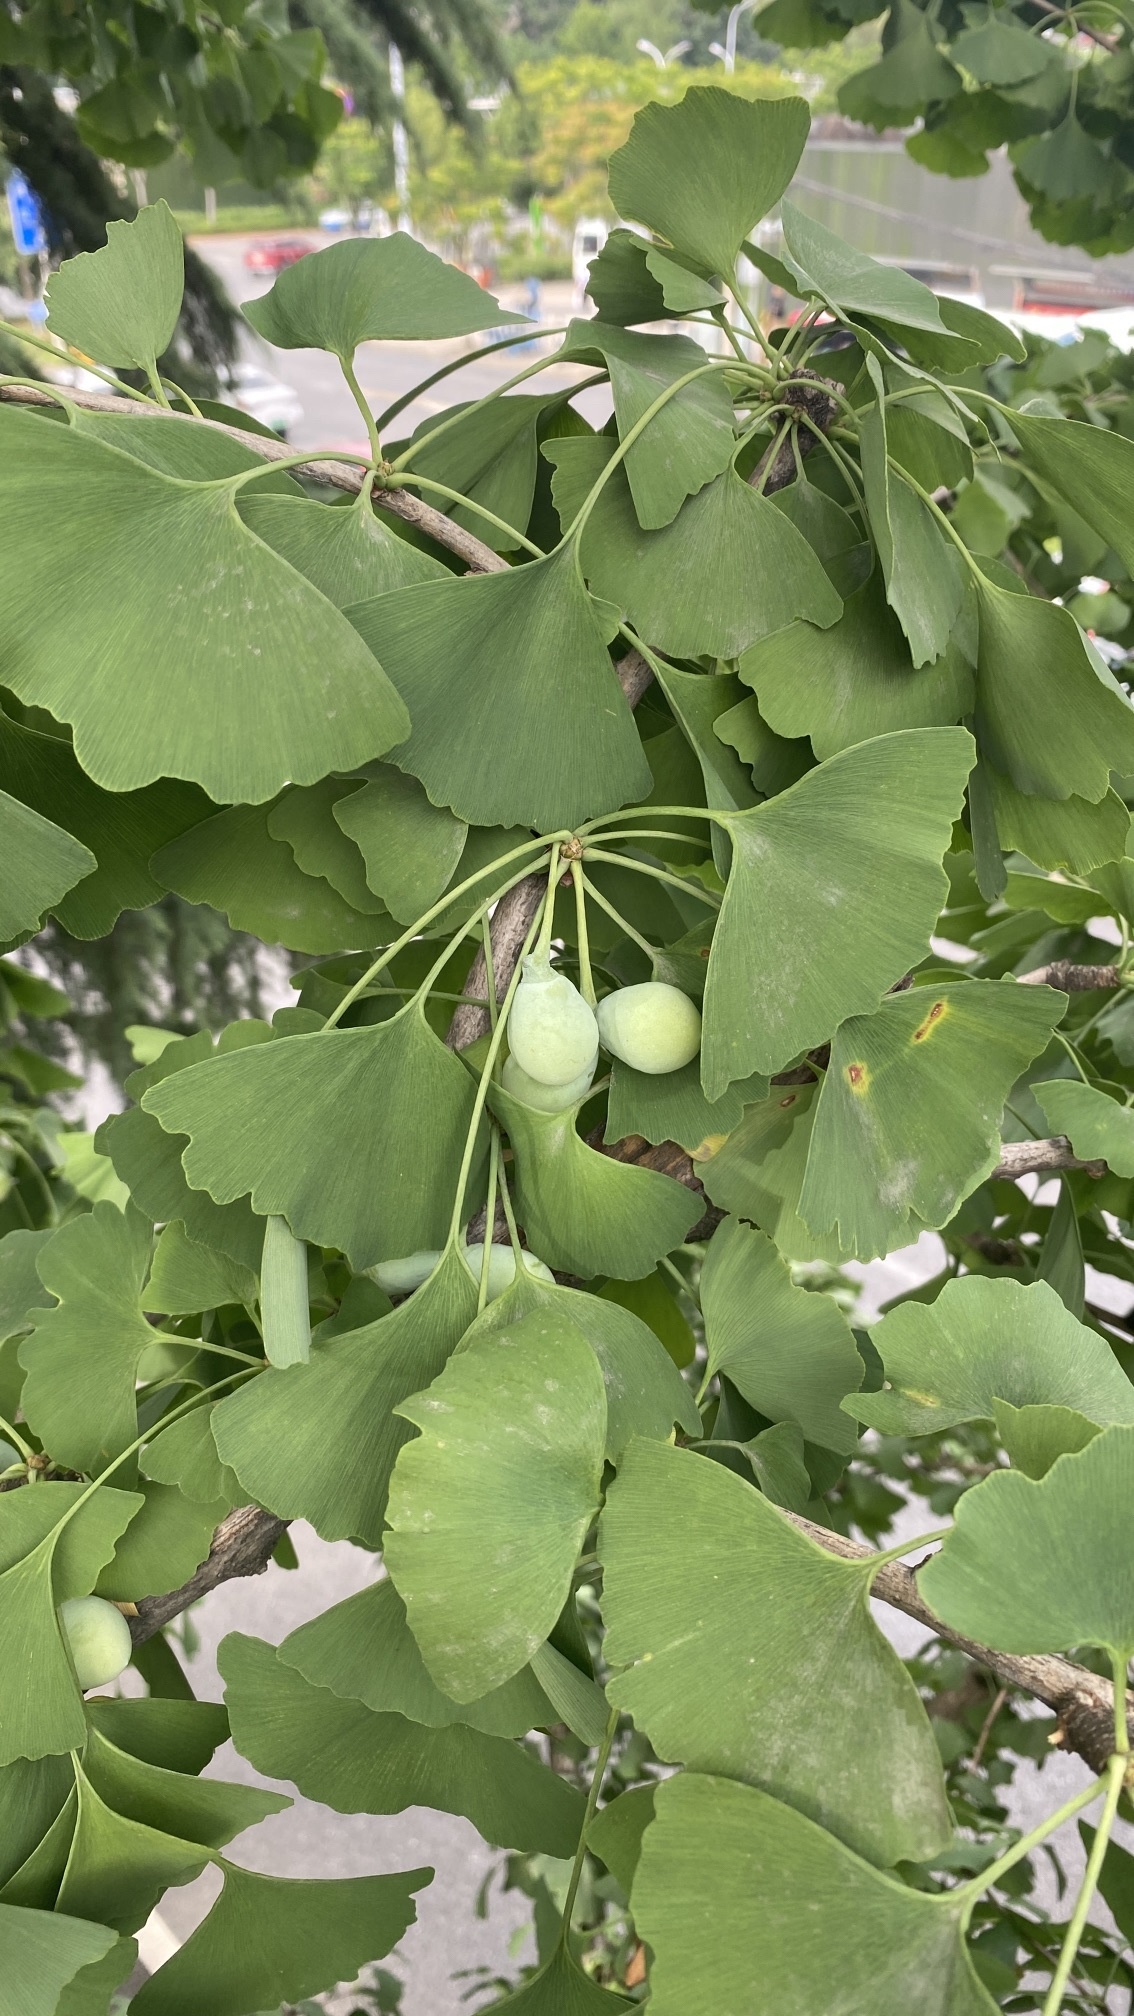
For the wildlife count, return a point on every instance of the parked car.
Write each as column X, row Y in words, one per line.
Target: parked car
column 261, row 395
column 271, row 255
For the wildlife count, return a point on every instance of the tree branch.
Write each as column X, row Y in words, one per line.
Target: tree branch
column 1041, row 1158
column 242, row 1545
column 1083, row 1701
column 1072, row 979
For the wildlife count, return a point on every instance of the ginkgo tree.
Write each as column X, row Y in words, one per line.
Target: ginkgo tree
column 696, row 835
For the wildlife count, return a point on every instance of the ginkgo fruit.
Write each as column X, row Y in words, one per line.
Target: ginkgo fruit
column 653, row 1027
column 402, row 1276
column 545, row 1098
column 98, row 1637
column 552, row 1033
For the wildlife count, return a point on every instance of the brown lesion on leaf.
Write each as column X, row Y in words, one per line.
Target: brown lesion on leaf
column 858, row 1078
column 925, row 1028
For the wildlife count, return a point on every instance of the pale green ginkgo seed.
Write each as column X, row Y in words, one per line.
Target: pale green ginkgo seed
column 502, row 1267
column 652, row 1027
column 402, row 1276
column 552, row 1033
column 546, row 1098
column 98, row 1638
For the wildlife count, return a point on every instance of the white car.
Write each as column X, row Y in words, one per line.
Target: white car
column 260, row 394
column 591, row 234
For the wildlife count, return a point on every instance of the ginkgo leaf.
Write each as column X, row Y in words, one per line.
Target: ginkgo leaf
column 790, row 1352
column 560, row 1988
column 745, row 153
column 82, row 1356
column 583, row 1211
column 759, row 1171
column 410, row 849
column 353, row 1136
column 149, row 1162
column 834, row 889
column 509, row 1462
column 634, row 281
column 119, row 1867
column 908, row 1117
column 304, row 818
column 369, row 290
column 185, row 1454
column 51, row 1549
column 1000, row 52
column 729, row 568
column 688, row 441
column 206, row 1810
column 670, row 1106
column 272, row 1939
column 1033, row 1437
column 121, row 303
column 41, row 863
column 347, row 553
column 724, row 1617
column 21, row 1289
column 949, row 1360
column 854, row 680
column 319, row 1441
column 1041, row 1565
column 234, row 863
column 122, row 829
column 175, row 1735
column 705, row 707
column 344, row 1754
column 727, row 1886
column 489, row 453
column 1092, row 467
column 364, row 1649
column 1035, row 668
column 523, row 647
column 164, row 1545
column 645, row 1393
column 222, row 665
column 924, row 575
column 851, row 280
column 187, row 1277
column 93, row 1987
column 1059, row 832
column 1098, row 1127
column 41, row 1951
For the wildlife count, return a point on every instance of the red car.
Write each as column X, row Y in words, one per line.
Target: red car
column 271, row 255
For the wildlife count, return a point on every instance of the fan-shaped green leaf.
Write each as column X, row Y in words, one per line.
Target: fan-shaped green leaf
column 319, row 1441
column 353, row 1136
column 1040, row 1565
column 1035, row 669
column 912, row 73
column 1092, row 467
column 204, row 670
column 727, row 1884
column 1000, row 52
column 688, row 441
column 488, row 453
column 206, row 1810
column 562, row 1989
column 924, row 575
column 410, row 848
column 41, row 863
column 1034, row 1436
column 346, row 553
column 365, row 1650
column 726, row 1618
column 908, row 1117
column 745, row 154
column 21, row 1290
column 269, row 1939
column 1059, row 832
column 342, row 1753
column 234, row 863
column 92, row 1990
column 304, row 818
column 121, row 304
column 855, row 680
column 729, row 568
column 164, row 1545
column 582, row 1211
column 835, row 887
column 947, row 1361
column 82, row 1356
column 175, row 1735
column 185, row 1454
column 759, row 1170
column 523, row 647
column 187, row 1277
column 509, row 1462
column 120, row 1867
column 670, row 1106
column 848, row 279
column 645, row 1393
column 789, row 1351
column 49, row 1552
column 1097, row 1127
column 370, row 290
column 634, row 281
column 41, row 1951
column 149, row 1163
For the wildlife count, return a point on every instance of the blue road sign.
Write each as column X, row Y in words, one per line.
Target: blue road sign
column 26, row 216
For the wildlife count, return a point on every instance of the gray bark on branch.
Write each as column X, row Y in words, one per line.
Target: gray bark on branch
column 1071, row 979
column 242, row 1545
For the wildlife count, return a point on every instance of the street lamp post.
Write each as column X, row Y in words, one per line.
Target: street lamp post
column 663, row 58
column 728, row 53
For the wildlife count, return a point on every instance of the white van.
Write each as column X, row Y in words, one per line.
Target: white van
column 591, row 234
